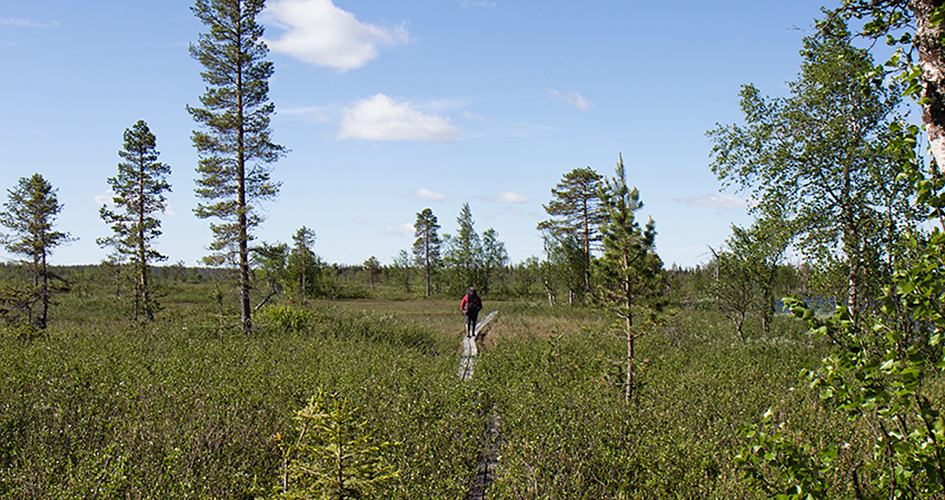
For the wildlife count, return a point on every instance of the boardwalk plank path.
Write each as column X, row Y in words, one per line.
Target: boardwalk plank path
column 469, row 348
column 485, row 471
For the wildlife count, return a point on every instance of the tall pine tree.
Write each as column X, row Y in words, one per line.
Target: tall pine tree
column 234, row 146
column 30, row 214
column 426, row 248
column 139, row 191
column 576, row 210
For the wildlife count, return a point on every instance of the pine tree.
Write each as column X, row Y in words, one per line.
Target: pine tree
column 30, row 214
column 139, row 191
column 426, row 249
column 235, row 146
column 576, row 210
column 629, row 252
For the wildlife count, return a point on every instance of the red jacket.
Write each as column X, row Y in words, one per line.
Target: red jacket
column 470, row 303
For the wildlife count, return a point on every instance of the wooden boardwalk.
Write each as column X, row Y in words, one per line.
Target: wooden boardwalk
column 469, row 348
column 484, row 474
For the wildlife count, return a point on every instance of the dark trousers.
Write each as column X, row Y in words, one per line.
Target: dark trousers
column 471, row 317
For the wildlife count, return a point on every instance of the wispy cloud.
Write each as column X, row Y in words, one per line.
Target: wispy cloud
column 471, row 116
column 506, row 197
column 359, row 220
column 573, row 99
column 28, row 23
column 379, row 118
column 715, row 200
column 474, row 3
column 426, row 194
column 311, row 114
column 400, row 229
column 318, row 32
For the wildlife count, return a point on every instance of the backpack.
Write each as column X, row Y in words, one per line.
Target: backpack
column 473, row 303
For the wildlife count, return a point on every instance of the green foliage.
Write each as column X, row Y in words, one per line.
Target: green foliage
column 748, row 270
column 563, row 270
column 335, row 455
column 139, row 193
column 471, row 260
column 818, row 159
column 287, row 319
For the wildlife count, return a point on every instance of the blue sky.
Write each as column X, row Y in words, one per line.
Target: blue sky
column 392, row 107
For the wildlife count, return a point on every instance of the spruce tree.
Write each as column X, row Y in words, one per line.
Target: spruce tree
column 30, row 214
column 139, row 191
column 234, row 144
column 464, row 251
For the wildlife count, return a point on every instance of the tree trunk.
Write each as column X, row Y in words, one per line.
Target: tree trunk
column 246, row 311
column 629, row 302
column 931, row 61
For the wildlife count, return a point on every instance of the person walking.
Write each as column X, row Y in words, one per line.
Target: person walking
column 471, row 305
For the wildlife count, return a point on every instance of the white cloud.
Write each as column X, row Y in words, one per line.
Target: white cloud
column 318, row 32
column 28, row 23
column 716, row 200
column 310, row 114
column 359, row 220
column 511, row 197
column 573, row 99
column 105, row 199
column 170, row 209
column 379, row 118
column 426, row 194
column 400, row 229
column 471, row 116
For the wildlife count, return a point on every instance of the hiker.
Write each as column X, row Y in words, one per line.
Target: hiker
column 471, row 305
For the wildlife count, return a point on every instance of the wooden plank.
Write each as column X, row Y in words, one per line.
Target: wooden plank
column 470, row 350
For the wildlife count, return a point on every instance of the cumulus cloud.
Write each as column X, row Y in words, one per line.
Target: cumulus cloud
column 426, row 194
column 715, row 200
column 573, row 99
column 379, row 118
column 318, row 32
column 28, row 23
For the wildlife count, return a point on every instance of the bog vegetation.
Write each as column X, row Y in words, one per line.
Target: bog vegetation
column 279, row 375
